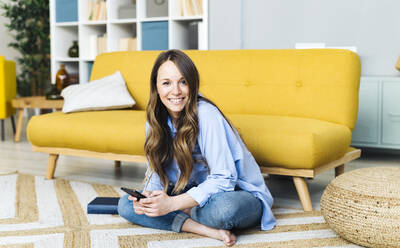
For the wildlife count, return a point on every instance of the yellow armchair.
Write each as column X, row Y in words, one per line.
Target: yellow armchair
column 8, row 90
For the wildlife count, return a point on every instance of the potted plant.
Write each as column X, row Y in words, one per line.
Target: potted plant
column 30, row 26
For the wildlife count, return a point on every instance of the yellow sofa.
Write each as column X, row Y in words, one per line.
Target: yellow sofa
column 8, row 90
column 295, row 109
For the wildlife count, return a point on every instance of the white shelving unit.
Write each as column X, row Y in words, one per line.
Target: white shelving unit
column 64, row 33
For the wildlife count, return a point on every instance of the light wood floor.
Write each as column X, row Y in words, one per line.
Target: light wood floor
column 19, row 157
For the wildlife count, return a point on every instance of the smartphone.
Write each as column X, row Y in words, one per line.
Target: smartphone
column 133, row 193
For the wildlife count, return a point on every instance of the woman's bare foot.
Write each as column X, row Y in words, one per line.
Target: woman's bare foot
column 228, row 237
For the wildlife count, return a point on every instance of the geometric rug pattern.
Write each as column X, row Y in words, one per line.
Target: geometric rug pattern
column 35, row 212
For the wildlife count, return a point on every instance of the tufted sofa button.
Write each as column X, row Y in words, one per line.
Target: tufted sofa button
column 247, row 83
column 299, row 84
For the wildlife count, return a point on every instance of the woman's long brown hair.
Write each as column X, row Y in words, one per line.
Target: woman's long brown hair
column 160, row 147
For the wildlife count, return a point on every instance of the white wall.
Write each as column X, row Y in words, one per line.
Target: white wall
column 224, row 24
column 370, row 25
column 5, row 38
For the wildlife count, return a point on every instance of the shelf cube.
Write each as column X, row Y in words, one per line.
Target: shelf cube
column 155, row 35
column 66, row 10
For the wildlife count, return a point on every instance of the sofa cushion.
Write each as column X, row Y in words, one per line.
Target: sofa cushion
column 109, row 92
column 113, row 131
column 288, row 142
column 292, row 142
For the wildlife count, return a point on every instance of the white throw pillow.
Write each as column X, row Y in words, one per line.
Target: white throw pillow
column 106, row 93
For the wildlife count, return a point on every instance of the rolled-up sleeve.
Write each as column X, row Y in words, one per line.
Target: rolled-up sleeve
column 216, row 138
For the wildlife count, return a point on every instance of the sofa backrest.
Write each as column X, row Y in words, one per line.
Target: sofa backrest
column 314, row 83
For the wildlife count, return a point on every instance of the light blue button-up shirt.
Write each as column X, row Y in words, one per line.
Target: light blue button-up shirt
column 229, row 163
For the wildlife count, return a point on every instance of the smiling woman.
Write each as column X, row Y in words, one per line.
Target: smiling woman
column 172, row 89
column 201, row 177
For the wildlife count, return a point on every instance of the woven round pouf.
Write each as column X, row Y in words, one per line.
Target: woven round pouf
column 363, row 206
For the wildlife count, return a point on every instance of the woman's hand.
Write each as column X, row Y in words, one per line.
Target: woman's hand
column 137, row 205
column 158, row 204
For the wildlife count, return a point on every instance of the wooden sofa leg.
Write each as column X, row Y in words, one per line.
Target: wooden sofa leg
column 51, row 167
column 117, row 163
column 339, row 170
column 302, row 191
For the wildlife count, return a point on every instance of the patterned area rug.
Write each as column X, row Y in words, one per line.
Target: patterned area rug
column 35, row 212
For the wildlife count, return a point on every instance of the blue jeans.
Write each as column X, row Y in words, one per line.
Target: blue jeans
column 225, row 210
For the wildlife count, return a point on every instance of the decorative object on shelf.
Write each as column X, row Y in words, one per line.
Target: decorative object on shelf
column 127, row 11
column 29, row 23
column 53, row 94
column 62, row 78
column 73, row 51
column 157, row 8
column 397, row 66
column 73, row 78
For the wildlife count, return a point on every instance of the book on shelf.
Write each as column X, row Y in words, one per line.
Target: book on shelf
column 102, row 44
column 97, row 45
column 93, row 46
column 103, row 205
column 73, row 78
column 103, row 11
column 198, row 7
column 127, row 44
column 190, row 7
column 90, row 67
column 97, row 10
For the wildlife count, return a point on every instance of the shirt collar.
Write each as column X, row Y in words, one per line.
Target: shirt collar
column 171, row 126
